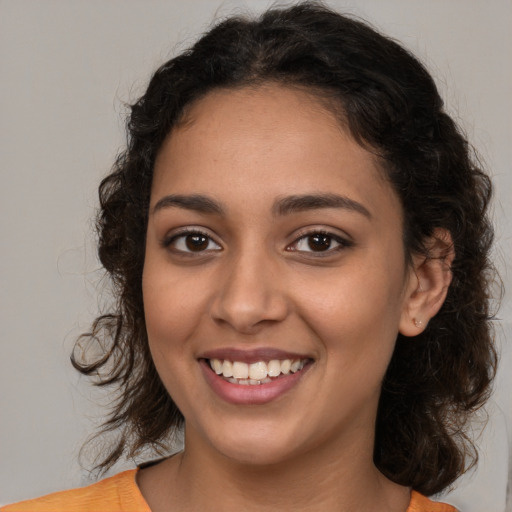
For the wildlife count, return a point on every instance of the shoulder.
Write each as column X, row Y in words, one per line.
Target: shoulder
column 420, row 503
column 115, row 494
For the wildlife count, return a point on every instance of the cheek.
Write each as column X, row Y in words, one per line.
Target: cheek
column 356, row 310
column 171, row 313
column 171, row 307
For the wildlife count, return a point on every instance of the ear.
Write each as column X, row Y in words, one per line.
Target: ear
column 429, row 279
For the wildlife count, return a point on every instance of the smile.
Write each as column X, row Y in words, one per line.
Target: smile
column 257, row 373
column 253, row 377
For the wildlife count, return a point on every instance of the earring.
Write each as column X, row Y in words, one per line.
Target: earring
column 418, row 323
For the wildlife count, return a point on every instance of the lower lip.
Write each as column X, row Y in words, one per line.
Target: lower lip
column 257, row 394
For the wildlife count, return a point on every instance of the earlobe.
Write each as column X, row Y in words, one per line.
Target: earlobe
column 430, row 278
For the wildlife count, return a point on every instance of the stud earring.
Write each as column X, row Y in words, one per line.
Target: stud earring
column 418, row 323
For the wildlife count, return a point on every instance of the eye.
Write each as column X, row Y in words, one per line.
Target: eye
column 319, row 242
column 191, row 242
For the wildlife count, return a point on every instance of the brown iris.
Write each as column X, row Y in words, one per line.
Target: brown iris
column 196, row 243
column 319, row 242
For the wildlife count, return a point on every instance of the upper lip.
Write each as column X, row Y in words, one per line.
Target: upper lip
column 251, row 355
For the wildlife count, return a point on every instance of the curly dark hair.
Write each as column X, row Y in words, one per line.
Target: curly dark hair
column 391, row 106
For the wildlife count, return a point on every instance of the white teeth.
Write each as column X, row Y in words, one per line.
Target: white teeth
column 240, row 370
column 227, row 368
column 256, row 373
column 216, row 364
column 274, row 368
column 295, row 366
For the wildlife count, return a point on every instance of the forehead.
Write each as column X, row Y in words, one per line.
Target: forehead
column 268, row 139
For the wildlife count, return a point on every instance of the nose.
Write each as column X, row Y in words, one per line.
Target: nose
column 251, row 294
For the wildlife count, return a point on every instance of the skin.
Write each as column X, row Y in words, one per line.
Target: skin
column 258, row 284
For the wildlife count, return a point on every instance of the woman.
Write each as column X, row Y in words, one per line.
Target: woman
column 298, row 239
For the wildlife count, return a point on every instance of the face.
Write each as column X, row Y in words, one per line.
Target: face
column 274, row 277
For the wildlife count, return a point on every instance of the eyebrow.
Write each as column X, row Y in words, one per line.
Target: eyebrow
column 285, row 206
column 301, row 203
column 195, row 202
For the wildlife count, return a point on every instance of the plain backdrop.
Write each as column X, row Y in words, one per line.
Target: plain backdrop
column 67, row 69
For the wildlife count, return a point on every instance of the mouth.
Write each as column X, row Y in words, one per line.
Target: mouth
column 253, row 377
column 256, row 373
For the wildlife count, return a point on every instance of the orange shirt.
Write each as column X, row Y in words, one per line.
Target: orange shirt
column 120, row 493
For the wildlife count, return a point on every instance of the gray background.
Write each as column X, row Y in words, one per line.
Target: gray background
column 67, row 68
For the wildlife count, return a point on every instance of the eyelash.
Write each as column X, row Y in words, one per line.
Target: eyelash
column 171, row 241
column 343, row 243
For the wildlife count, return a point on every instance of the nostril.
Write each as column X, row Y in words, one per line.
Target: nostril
column 249, row 311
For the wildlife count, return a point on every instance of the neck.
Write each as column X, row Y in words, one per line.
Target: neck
column 325, row 479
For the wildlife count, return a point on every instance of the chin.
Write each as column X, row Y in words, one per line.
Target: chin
column 261, row 447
